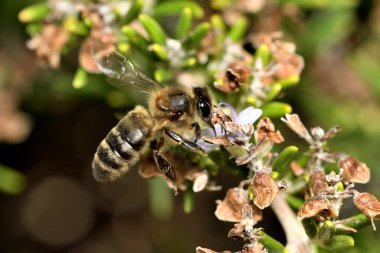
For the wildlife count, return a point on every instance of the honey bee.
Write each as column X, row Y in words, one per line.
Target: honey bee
column 172, row 112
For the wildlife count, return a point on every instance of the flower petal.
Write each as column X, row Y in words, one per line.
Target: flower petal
column 249, row 115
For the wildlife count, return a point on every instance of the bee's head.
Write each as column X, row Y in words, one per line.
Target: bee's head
column 203, row 104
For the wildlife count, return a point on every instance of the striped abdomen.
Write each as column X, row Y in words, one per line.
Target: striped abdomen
column 121, row 149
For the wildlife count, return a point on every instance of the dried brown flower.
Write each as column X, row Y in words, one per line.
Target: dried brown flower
column 218, row 140
column 316, row 206
column 49, row 43
column 368, row 204
column 265, row 189
column 354, row 171
column 265, row 129
column 230, row 209
column 288, row 65
column 237, row 232
column 294, row 123
column 317, row 183
column 254, row 248
column 205, row 250
column 236, row 74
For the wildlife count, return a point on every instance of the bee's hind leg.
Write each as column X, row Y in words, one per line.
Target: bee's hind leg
column 163, row 163
column 187, row 144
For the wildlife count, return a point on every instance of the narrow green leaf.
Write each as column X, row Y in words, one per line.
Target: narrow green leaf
column 188, row 199
column 289, row 82
column 276, row 109
column 34, row 12
column 172, row 7
column 184, row 23
column 271, row 244
column 320, row 4
column 238, row 29
column 160, row 51
column 356, row 222
column 264, row 54
column 155, row 31
column 326, row 230
column 162, row 75
column 310, row 226
column 282, row 162
column 75, row 26
column 198, row 34
column 294, row 202
column 273, row 93
column 340, row 242
column 80, row 79
column 11, row 181
column 134, row 11
column 136, row 39
column 219, row 27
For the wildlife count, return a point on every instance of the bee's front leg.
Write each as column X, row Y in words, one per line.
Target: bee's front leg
column 197, row 131
column 163, row 163
column 187, row 144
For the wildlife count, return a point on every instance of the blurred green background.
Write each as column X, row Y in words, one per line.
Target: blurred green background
column 49, row 132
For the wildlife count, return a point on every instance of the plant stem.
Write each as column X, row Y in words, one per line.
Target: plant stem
column 297, row 240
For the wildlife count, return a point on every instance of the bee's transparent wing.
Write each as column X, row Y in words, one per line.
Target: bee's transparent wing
column 120, row 70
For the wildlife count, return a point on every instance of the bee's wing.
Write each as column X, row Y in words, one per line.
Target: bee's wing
column 120, row 70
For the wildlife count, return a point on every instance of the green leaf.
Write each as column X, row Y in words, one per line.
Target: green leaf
column 160, row 51
column 294, row 202
column 289, row 82
column 155, row 31
column 310, row 226
column 184, row 23
column 75, row 26
column 282, row 162
column 271, row 244
column 219, row 27
column 162, row 75
column 188, row 199
column 264, row 54
column 273, row 93
column 136, row 39
column 34, row 12
column 80, row 79
column 198, row 34
column 11, row 181
column 326, row 230
column 134, row 11
column 356, row 222
column 340, row 242
column 238, row 29
column 276, row 109
column 172, row 7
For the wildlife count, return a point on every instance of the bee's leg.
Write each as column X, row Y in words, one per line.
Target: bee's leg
column 163, row 164
column 197, row 131
column 187, row 144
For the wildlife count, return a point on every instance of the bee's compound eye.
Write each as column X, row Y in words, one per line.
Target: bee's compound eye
column 205, row 109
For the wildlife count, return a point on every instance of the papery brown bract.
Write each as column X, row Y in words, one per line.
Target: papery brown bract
column 368, row 204
column 236, row 74
column 354, row 171
column 316, row 206
column 317, row 183
column 266, row 129
column 254, row 248
column 293, row 122
column 265, row 190
column 237, row 232
column 205, row 250
column 230, row 209
column 218, row 140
